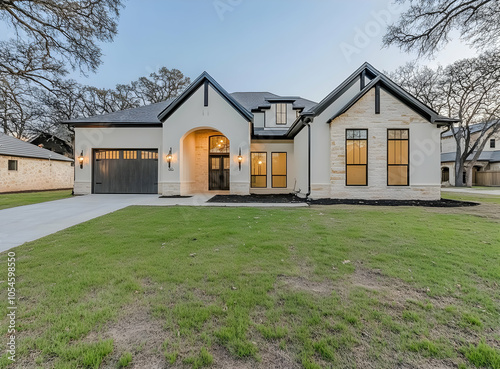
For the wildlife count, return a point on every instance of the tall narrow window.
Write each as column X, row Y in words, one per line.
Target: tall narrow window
column 281, row 114
column 492, row 143
column 397, row 157
column 259, row 169
column 356, row 157
column 278, row 170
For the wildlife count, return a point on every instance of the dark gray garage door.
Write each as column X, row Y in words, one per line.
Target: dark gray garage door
column 126, row 171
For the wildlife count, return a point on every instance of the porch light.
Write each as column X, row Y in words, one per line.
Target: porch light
column 240, row 159
column 80, row 160
column 169, row 159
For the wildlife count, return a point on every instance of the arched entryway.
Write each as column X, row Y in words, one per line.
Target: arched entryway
column 205, row 162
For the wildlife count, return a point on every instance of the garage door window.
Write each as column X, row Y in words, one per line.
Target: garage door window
column 109, row 155
column 149, row 155
column 128, row 155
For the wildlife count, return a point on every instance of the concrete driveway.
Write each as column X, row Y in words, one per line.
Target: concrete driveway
column 31, row 222
column 27, row 223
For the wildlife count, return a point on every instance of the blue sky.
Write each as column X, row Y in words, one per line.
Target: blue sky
column 289, row 47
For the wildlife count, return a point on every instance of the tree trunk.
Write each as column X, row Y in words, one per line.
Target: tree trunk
column 468, row 175
column 459, row 169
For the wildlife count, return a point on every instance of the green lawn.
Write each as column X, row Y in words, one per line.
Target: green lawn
column 12, row 200
column 339, row 286
column 471, row 197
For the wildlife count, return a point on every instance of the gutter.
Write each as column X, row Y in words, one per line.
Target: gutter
column 306, row 122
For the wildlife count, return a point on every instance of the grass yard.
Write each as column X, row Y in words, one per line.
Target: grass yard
column 12, row 200
column 471, row 197
column 322, row 287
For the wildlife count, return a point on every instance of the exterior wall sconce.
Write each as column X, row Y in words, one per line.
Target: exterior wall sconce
column 80, row 160
column 240, row 159
column 169, row 159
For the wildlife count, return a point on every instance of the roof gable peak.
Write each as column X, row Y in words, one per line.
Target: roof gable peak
column 193, row 87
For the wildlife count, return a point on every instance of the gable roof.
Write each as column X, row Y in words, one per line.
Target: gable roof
column 374, row 77
column 147, row 114
column 193, row 87
column 11, row 146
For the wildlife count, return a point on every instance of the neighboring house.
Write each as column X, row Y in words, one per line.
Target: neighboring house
column 26, row 167
column 53, row 143
column 486, row 170
column 368, row 139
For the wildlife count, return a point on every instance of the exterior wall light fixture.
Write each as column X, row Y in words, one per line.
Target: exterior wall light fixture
column 240, row 159
column 80, row 160
column 169, row 159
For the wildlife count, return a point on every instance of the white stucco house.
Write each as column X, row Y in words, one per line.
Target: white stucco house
column 368, row 139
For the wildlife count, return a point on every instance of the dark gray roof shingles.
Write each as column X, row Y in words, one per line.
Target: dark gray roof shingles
column 11, row 146
column 489, row 156
column 147, row 114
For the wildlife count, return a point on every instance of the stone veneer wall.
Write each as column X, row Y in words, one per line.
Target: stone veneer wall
column 35, row 174
column 394, row 115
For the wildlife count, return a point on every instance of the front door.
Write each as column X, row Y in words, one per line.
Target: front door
column 218, row 172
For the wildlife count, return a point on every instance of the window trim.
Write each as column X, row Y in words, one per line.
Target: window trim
column 345, row 152
column 279, row 175
column 16, row 165
column 285, row 112
column 257, row 175
column 395, row 165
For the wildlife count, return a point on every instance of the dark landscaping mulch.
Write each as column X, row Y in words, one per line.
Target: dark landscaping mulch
column 278, row 199
column 175, row 197
column 443, row 203
column 290, row 198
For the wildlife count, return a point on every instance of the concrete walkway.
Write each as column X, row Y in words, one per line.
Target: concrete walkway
column 27, row 223
column 495, row 191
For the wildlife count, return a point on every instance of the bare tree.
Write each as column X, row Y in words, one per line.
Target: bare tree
column 467, row 89
column 160, row 86
column 19, row 112
column 51, row 34
column 426, row 26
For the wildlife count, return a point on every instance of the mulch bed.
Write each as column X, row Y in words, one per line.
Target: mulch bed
column 291, row 199
column 175, row 197
column 276, row 199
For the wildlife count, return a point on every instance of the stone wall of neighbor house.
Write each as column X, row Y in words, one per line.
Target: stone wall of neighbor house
column 424, row 151
column 35, row 174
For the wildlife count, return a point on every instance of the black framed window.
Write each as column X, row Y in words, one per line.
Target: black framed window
column 398, row 150
column 12, row 164
column 492, row 143
column 219, row 145
column 258, row 169
column 278, row 169
column 356, row 157
column 281, row 114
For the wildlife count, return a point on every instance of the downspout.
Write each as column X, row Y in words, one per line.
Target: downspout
column 306, row 122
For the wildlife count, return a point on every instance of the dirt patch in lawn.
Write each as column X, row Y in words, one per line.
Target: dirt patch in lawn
column 304, row 284
column 272, row 357
column 485, row 210
column 135, row 331
column 395, row 291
